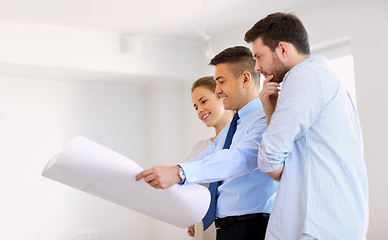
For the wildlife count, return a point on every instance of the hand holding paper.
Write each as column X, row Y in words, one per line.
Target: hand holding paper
column 95, row 169
column 161, row 176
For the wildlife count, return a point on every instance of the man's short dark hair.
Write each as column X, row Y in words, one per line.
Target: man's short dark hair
column 240, row 59
column 277, row 27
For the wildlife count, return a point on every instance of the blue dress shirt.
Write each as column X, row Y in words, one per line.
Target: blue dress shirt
column 251, row 191
column 315, row 132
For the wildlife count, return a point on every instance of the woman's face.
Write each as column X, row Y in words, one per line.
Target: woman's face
column 208, row 105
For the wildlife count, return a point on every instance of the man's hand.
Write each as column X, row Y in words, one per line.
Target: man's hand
column 191, row 230
column 269, row 97
column 277, row 174
column 161, row 177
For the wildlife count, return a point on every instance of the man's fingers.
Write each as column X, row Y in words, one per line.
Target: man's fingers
column 149, row 178
column 152, row 180
column 269, row 89
column 139, row 176
column 268, row 92
column 160, row 177
column 265, row 81
column 155, row 184
column 143, row 174
column 270, row 85
column 268, row 78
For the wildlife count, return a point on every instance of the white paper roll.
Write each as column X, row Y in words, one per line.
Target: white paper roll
column 95, row 169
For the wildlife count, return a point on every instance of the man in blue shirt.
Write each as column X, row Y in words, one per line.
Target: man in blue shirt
column 244, row 202
column 313, row 143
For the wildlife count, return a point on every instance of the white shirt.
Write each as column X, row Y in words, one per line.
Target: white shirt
column 315, row 132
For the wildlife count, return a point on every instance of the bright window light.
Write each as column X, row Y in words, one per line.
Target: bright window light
column 344, row 68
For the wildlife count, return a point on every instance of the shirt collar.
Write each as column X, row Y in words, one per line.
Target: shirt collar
column 249, row 107
column 307, row 60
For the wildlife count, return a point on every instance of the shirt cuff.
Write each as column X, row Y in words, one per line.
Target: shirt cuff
column 192, row 171
column 268, row 163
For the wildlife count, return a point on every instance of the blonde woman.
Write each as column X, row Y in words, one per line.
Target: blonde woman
column 211, row 112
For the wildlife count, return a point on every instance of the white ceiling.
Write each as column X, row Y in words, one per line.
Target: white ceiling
column 177, row 18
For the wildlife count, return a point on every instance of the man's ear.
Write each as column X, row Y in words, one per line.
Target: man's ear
column 282, row 49
column 246, row 79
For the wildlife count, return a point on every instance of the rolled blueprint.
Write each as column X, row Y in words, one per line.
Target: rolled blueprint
column 96, row 169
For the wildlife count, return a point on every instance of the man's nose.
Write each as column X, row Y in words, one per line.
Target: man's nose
column 257, row 67
column 218, row 89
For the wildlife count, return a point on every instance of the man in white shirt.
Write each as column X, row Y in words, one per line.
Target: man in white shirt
column 313, row 143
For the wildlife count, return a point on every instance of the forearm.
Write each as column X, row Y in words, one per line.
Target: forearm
column 221, row 165
column 268, row 113
column 277, row 174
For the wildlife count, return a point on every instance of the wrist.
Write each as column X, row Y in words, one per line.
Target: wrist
column 181, row 174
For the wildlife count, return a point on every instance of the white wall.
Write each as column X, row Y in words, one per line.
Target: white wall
column 39, row 116
column 56, row 84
